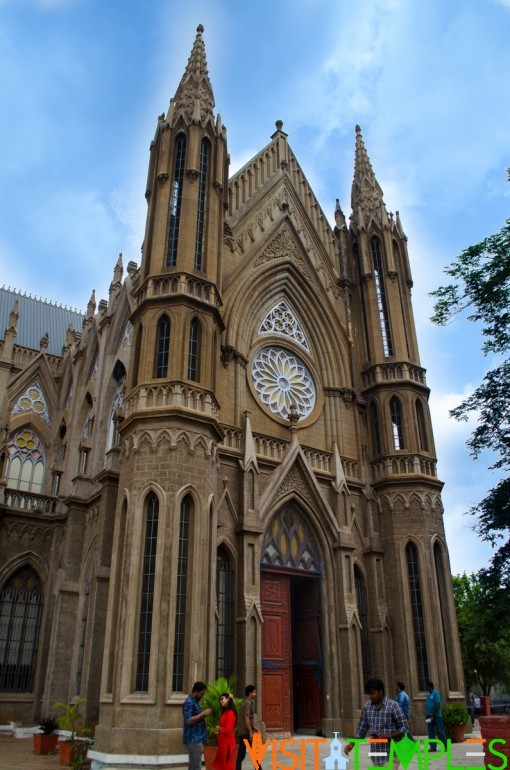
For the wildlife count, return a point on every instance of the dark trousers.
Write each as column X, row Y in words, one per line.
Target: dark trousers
column 241, row 750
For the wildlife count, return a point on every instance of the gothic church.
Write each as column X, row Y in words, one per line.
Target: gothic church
column 228, row 467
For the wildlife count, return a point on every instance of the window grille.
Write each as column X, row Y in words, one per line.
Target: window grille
column 175, row 201
column 83, row 636
column 21, row 604
column 194, row 352
column 417, row 612
column 422, row 427
column 357, row 260
column 382, row 301
column 147, row 594
column 162, row 347
column 202, row 196
column 374, row 422
column 180, row 608
column 397, row 424
column 361, row 601
column 225, row 608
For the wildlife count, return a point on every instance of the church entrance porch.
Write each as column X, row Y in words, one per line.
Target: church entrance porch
column 291, row 652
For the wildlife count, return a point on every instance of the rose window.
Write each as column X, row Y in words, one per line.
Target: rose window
column 281, row 381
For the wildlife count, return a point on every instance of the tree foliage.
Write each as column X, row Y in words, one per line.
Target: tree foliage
column 483, row 618
column 481, row 285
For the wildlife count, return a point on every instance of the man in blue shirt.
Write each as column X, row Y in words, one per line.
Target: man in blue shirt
column 434, row 715
column 195, row 732
column 402, row 699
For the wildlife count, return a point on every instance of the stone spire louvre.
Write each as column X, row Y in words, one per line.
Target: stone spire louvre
column 366, row 196
column 194, row 95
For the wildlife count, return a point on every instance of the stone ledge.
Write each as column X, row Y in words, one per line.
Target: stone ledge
column 102, row 761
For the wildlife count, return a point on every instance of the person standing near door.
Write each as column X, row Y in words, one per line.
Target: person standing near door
column 402, row 699
column 245, row 724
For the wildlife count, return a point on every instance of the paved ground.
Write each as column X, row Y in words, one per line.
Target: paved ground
column 17, row 754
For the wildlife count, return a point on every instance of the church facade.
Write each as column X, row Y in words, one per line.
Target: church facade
column 228, row 467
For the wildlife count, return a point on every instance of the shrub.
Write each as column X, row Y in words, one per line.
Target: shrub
column 454, row 715
column 211, row 700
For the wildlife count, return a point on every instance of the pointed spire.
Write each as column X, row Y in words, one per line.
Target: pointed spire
column 340, row 482
column 250, row 454
column 12, row 327
column 194, row 96
column 91, row 307
column 339, row 216
column 366, row 194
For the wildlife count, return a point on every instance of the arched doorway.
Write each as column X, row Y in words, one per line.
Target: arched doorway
column 291, row 645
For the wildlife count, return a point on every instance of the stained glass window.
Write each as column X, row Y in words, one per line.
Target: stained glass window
column 281, row 381
column 289, row 543
column 25, row 470
column 33, row 400
column 281, row 320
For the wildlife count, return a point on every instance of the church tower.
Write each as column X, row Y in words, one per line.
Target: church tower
column 161, row 583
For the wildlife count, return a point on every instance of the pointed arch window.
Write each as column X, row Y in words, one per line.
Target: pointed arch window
column 359, row 270
column 21, row 604
column 361, row 601
column 202, row 201
column 226, row 620
column 175, row 200
column 25, row 469
column 113, row 435
column 181, row 598
column 83, row 636
column 422, row 426
column 194, row 350
column 382, row 300
column 162, row 348
column 417, row 613
column 373, row 415
column 397, row 423
column 147, row 592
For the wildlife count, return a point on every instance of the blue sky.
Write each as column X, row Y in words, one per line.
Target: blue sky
column 82, row 84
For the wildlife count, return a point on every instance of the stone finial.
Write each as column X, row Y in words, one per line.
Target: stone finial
column 293, row 421
column 91, row 307
column 12, row 327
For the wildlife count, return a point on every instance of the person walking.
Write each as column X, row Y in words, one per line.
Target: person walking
column 403, row 701
column 224, row 759
column 245, row 725
column 381, row 717
column 434, row 715
column 194, row 733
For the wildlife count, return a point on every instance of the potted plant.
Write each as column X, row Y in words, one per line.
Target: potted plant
column 211, row 700
column 455, row 719
column 45, row 742
column 72, row 748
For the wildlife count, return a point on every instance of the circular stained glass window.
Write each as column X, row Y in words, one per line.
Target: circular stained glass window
column 282, row 380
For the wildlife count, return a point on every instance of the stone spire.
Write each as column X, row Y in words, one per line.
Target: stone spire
column 194, row 96
column 366, row 196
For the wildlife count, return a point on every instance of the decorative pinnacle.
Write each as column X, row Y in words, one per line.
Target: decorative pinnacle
column 195, row 90
column 366, row 194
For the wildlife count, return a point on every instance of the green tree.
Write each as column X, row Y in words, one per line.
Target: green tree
column 484, row 627
column 481, row 284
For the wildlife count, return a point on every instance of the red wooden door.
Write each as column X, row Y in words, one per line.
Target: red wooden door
column 276, row 652
column 307, row 652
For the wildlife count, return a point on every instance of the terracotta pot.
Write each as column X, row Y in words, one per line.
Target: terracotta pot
column 457, row 732
column 209, row 755
column 495, row 726
column 45, row 744
column 68, row 751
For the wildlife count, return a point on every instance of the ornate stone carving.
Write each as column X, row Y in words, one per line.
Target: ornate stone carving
column 283, row 246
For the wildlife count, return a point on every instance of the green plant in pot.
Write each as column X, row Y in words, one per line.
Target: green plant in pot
column 72, row 749
column 46, row 741
column 455, row 718
column 211, row 700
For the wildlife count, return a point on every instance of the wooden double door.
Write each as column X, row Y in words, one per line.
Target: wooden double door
column 291, row 653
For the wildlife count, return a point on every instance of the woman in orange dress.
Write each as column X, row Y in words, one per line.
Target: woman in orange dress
column 226, row 734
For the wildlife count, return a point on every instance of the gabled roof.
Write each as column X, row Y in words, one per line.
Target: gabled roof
column 36, row 317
